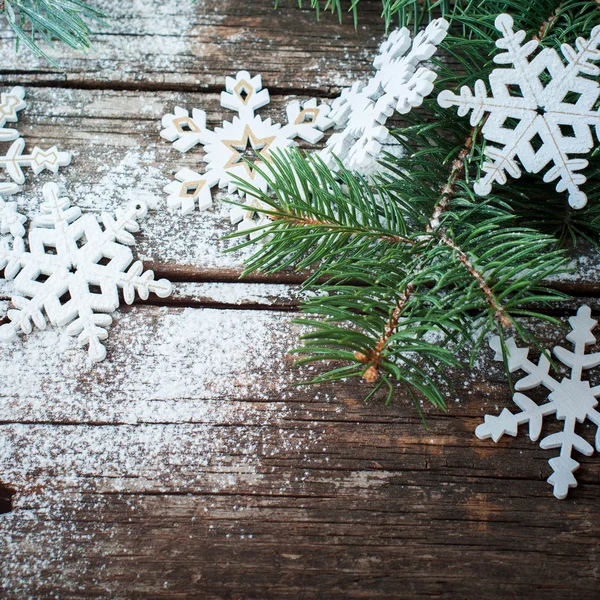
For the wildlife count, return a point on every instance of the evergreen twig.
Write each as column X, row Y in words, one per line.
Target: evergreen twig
column 49, row 20
column 411, row 269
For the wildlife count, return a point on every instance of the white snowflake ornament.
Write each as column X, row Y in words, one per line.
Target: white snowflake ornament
column 541, row 111
column 250, row 218
column 11, row 221
column 572, row 400
column 183, row 130
column 400, row 84
column 14, row 161
column 247, row 136
column 73, row 271
column 190, row 190
column 10, row 104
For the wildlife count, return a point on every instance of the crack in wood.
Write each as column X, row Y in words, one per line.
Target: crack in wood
column 14, row 78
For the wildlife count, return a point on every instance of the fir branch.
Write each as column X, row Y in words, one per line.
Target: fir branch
column 329, row 227
column 397, row 292
column 413, row 269
column 499, row 311
column 373, row 359
column 49, row 20
column 448, row 192
column 547, row 24
column 322, row 216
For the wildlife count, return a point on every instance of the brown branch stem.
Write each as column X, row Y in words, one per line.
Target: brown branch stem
column 310, row 222
column 373, row 359
column 499, row 312
column 448, row 191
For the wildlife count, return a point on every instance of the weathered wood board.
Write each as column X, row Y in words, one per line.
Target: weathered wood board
column 188, row 464
column 190, row 46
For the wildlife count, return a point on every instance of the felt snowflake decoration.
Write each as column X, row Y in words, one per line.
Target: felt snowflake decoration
column 73, row 270
column 541, row 110
column 247, row 135
column 14, row 161
column 572, row 400
column 400, row 84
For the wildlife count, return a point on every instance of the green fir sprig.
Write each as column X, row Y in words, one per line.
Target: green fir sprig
column 48, row 20
column 411, row 270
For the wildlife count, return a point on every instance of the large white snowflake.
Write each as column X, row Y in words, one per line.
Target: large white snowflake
column 14, row 161
column 246, row 136
column 572, row 400
column 73, row 270
column 541, row 111
column 400, row 83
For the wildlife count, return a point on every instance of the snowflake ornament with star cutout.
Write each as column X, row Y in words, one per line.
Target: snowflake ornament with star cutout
column 573, row 400
column 245, row 135
column 541, row 111
column 73, row 270
column 14, row 161
column 400, row 83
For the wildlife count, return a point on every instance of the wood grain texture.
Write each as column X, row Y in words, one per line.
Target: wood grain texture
column 188, row 464
column 277, row 492
column 187, row 46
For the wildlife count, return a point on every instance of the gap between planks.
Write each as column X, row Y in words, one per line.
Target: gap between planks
column 10, row 78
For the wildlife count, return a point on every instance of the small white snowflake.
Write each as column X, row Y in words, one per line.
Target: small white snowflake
column 398, row 84
column 10, row 104
column 541, row 110
column 14, row 160
column 73, row 271
column 11, row 221
column 571, row 400
column 246, row 135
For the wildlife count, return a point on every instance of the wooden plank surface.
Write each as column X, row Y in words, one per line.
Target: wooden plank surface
column 189, row 46
column 188, row 464
column 186, row 461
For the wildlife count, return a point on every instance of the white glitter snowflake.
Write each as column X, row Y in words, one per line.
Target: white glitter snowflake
column 572, row 400
column 398, row 84
column 14, row 160
column 246, row 135
column 73, row 271
column 541, row 111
